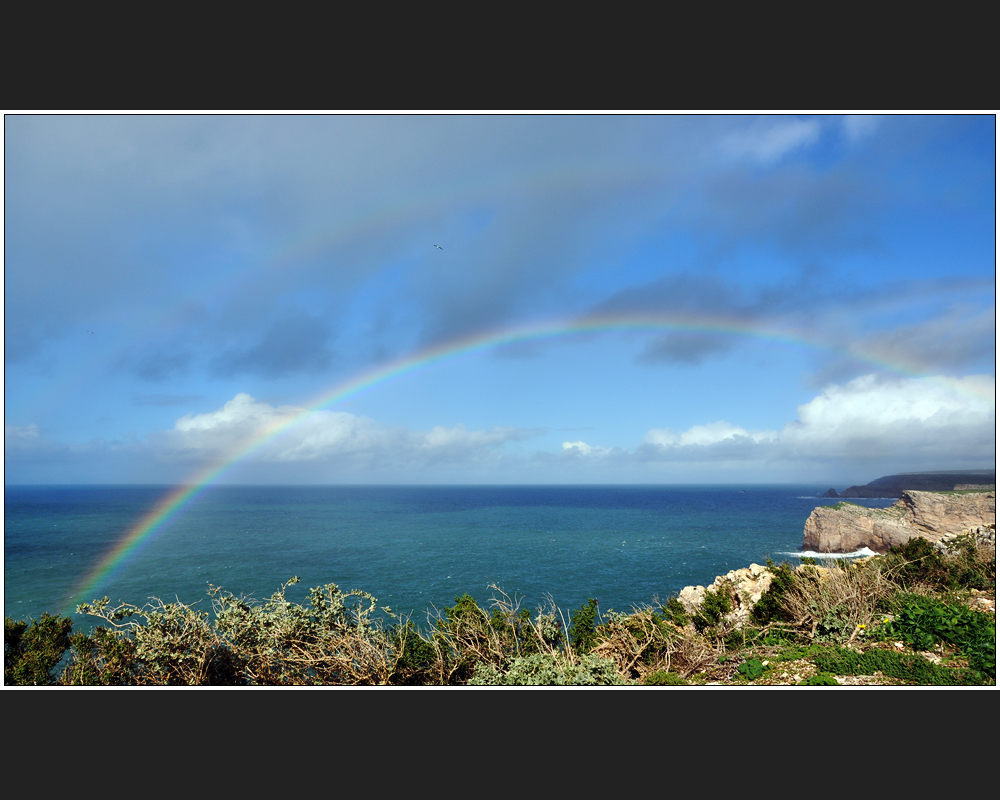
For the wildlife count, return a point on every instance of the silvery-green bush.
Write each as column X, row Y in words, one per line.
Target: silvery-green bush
column 546, row 669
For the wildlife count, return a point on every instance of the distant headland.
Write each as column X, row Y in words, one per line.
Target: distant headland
column 893, row 486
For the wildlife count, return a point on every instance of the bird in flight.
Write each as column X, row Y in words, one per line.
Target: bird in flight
column 439, row 247
column 91, row 332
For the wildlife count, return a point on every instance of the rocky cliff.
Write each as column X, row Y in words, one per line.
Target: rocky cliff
column 846, row 527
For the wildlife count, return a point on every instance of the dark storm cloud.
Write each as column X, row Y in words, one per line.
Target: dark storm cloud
column 686, row 348
column 954, row 327
column 521, row 260
column 691, row 297
column 294, row 343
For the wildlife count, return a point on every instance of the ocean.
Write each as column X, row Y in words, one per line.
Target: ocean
column 415, row 548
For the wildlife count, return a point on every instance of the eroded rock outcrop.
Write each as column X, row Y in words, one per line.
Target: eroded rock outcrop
column 846, row 527
column 747, row 585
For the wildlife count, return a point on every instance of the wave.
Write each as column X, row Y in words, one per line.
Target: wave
column 862, row 553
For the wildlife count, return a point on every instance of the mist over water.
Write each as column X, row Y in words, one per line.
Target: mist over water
column 414, row 548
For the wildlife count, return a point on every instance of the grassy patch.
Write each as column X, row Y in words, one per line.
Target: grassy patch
column 908, row 667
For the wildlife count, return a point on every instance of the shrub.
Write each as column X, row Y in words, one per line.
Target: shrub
column 675, row 612
column 644, row 642
column 713, row 608
column 834, row 604
column 415, row 665
column 918, row 563
column 332, row 640
column 664, row 678
column 465, row 635
column 770, row 607
column 550, row 669
column 582, row 631
column 31, row 652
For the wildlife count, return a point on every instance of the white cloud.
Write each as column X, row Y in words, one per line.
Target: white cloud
column 703, row 435
column 298, row 435
column 877, row 404
column 927, row 422
column 858, row 126
column 580, row 448
column 768, row 142
column 870, row 426
column 21, row 435
column 241, row 412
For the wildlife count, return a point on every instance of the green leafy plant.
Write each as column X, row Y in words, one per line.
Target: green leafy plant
column 31, row 652
column 922, row 622
column 583, row 624
column 675, row 612
column 751, row 669
column 770, row 607
column 713, row 608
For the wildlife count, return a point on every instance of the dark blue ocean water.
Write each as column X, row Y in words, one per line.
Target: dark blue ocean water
column 414, row 548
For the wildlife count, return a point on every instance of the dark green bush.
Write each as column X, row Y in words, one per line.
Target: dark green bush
column 713, row 608
column 663, row 678
column 675, row 612
column 582, row 629
column 31, row 652
column 415, row 664
column 769, row 608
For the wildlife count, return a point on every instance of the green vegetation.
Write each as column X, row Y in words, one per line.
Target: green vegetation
column 908, row 617
column 820, row 679
column 907, row 667
column 31, row 652
column 713, row 608
column 751, row 669
column 663, row 678
column 582, row 631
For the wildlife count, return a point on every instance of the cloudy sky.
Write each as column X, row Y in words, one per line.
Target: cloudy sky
column 498, row 299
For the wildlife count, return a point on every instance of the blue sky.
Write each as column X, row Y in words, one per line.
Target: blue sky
column 701, row 299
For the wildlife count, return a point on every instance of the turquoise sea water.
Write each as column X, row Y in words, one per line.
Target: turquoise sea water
column 414, row 548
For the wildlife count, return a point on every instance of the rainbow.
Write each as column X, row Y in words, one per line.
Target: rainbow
column 154, row 522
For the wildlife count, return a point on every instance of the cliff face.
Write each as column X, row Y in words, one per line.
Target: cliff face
column 933, row 515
